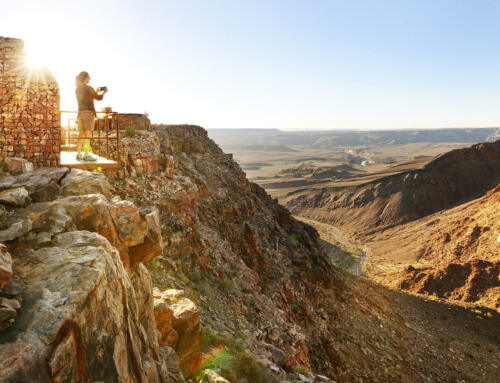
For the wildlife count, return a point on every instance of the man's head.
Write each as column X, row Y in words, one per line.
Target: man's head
column 82, row 78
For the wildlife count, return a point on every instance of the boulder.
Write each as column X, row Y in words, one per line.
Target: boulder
column 92, row 212
column 36, row 224
column 72, row 292
column 171, row 306
column 277, row 356
column 15, row 165
column 14, row 289
column 152, row 244
column 125, row 226
column 169, row 165
column 5, row 266
column 16, row 228
column 210, row 376
column 79, row 182
column 323, row 379
column 170, row 357
column 42, row 184
column 14, row 197
column 147, row 165
column 8, row 315
column 129, row 223
column 164, row 318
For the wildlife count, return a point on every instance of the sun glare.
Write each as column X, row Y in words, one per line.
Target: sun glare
column 33, row 62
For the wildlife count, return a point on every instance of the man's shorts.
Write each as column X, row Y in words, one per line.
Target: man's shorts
column 86, row 121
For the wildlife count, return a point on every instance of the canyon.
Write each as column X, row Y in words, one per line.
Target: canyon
column 180, row 269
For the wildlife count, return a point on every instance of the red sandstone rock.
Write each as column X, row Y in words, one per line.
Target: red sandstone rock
column 5, row 266
column 164, row 318
column 79, row 182
column 176, row 312
column 14, row 197
column 15, row 165
column 81, row 318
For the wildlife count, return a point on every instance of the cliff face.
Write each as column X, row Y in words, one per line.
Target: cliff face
column 227, row 236
column 447, row 180
column 463, row 261
column 261, row 279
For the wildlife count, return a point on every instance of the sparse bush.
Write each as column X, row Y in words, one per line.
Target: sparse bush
column 131, row 131
column 225, row 284
column 154, row 265
column 295, row 238
column 245, row 366
column 302, row 370
column 209, row 339
column 222, row 362
column 231, row 361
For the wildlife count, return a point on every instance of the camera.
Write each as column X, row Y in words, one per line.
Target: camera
column 102, row 88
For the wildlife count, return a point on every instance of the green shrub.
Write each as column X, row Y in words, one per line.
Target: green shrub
column 245, row 366
column 222, row 363
column 302, row 370
column 209, row 339
column 295, row 238
column 131, row 131
column 231, row 361
column 154, row 265
column 225, row 284
column 237, row 365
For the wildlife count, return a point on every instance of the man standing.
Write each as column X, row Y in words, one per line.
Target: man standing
column 85, row 96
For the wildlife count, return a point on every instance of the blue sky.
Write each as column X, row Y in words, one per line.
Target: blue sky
column 293, row 65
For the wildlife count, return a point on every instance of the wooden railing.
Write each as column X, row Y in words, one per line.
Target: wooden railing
column 105, row 137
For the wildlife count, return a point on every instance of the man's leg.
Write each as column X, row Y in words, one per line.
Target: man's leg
column 79, row 142
column 86, row 144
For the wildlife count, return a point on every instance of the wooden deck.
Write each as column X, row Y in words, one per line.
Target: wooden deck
column 68, row 160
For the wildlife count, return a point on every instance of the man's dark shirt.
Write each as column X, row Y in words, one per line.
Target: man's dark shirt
column 85, row 96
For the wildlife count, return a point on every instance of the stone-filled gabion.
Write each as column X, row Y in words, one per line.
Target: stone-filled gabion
column 29, row 108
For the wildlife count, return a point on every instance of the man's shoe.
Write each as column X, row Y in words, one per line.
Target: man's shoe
column 90, row 158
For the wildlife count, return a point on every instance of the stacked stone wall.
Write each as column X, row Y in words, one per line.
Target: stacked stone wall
column 29, row 108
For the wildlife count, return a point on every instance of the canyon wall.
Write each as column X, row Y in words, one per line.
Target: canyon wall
column 29, row 108
column 449, row 179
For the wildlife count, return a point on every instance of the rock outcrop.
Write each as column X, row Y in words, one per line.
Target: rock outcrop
column 210, row 376
column 178, row 322
column 77, row 299
column 5, row 266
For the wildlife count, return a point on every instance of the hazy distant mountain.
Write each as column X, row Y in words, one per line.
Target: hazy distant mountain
column 331, row 139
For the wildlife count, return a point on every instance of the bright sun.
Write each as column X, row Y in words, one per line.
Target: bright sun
column 33, row 62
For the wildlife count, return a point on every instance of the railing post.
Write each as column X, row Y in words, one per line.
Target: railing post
column 60, row 137
column 99, row 137
column 117, row 139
